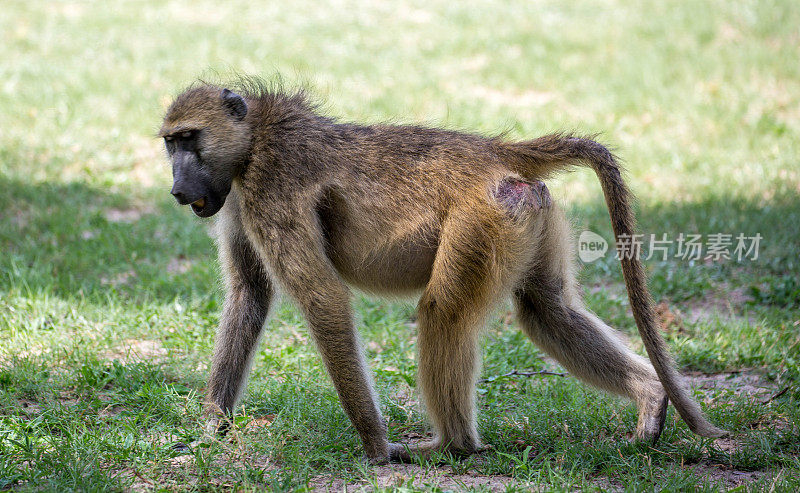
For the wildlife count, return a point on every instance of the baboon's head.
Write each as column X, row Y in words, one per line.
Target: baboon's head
column 208, row 141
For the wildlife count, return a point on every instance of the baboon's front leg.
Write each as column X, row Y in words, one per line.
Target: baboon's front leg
column 331, row 324
column 247, row 300
column 472, row 265
column 300, row 264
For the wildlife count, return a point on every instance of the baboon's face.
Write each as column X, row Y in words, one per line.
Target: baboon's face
column 208, row 141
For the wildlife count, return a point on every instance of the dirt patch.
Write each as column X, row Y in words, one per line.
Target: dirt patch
column 181, row 472
column 20, row 218
column 731, row 478
column 721, row 303
column 612, row 291
column 752, row 386
column 607, row 484
column 671, row 320
column 130, row 215
column 29, row 407
column 120, row 279
column 744, row 382
column 111, row 410
column 134, row 350
column 179, row 265
column 408, row 475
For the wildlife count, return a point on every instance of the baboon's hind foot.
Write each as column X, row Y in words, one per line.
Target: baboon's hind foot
column 652, row 417
column 404, row 453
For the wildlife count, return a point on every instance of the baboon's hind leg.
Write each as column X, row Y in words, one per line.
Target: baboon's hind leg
column 552, row 314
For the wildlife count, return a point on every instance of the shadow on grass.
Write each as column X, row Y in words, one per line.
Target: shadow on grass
column 76, row 241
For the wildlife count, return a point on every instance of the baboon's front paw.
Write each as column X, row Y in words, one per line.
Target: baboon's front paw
column 393, row 452
column 217, row 426
column 399, row 452
column 652, row 417
column 377, row 451
column 405, row 453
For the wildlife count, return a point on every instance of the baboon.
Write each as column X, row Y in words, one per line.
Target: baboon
column 314, row 205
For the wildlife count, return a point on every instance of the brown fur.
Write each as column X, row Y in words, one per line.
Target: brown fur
column 316, row 205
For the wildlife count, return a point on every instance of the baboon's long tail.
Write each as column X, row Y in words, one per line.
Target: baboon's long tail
column 542, row 157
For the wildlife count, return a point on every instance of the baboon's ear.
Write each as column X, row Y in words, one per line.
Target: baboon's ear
column 234, row 104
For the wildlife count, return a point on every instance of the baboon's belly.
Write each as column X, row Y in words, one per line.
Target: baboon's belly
column 391, row 266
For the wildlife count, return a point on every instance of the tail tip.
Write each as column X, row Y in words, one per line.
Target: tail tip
column 708, row 430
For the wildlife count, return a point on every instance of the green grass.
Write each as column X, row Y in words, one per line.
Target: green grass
column 699, row 98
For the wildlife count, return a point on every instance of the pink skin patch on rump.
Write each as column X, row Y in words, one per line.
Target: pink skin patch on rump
column 519, row 195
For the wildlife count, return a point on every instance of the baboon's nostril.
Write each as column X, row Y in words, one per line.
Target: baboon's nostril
column 180, row 197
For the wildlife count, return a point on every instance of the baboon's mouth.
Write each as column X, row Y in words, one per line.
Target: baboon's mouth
column 198, row 205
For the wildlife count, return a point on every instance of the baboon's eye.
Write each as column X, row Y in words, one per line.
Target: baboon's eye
column 187, row 134
column 169, row 138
